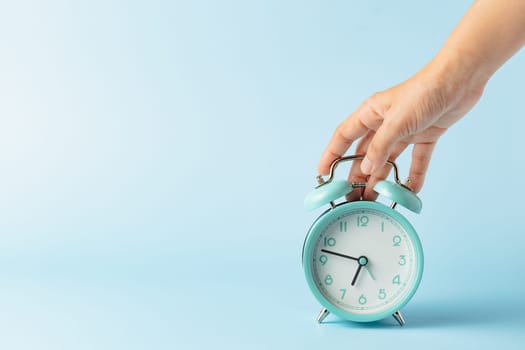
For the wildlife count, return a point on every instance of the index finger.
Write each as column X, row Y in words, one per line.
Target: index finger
column 345, row 134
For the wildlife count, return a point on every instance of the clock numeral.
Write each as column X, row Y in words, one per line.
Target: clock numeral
column 343, row 293
column 323, row 259
column 328, row 280
column 362, row 220
column 329, row 241
column 402, row 260
column 382, row 294
column 362, row 299
column 396, row 240
column 342, row 226
column 396, row 279
column 382, row 226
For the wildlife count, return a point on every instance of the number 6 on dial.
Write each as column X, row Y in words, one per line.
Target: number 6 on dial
column 362, row 260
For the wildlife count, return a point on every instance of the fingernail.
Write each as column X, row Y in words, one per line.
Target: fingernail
column 366, row 166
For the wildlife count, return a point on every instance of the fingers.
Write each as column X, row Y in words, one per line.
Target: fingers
column 381, row 146
column 356, row 175
column 345, row 134
column 421, row 155
column 382, row 173
column 385, row 133
column 367, row 118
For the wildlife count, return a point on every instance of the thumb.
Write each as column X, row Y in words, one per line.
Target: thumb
column 381, row 145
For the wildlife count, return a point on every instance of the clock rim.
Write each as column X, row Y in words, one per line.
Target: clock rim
column 310, row 241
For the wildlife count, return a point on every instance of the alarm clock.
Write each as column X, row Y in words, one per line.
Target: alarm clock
column 362, row 260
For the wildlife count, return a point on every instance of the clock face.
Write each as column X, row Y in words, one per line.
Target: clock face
column 365, row 260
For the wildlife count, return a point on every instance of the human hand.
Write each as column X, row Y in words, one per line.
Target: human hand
column 417, row 111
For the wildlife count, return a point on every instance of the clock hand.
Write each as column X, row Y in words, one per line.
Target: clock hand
column 339, row 254
column 370, row 273
column 356, row 274
column 362, row 262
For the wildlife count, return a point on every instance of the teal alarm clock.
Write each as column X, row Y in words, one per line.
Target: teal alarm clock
column 362, row 260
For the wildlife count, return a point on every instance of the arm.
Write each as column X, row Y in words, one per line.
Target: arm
column 419, row 110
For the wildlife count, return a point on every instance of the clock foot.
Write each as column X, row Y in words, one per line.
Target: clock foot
column 322, row 315
column 399, row 318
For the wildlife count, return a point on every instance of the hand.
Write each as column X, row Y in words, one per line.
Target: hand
column 362, row 261
column 356, row 274
column 417, row 111
column 339, row 254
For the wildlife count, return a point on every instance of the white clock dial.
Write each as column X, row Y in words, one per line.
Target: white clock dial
column 364, row 261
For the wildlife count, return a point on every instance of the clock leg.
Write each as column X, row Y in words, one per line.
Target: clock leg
column 322, row 315
column 399, row 318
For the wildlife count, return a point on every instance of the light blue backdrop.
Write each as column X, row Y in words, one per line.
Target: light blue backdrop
column 154, row 156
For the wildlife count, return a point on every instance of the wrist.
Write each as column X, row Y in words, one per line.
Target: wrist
column 457, row 73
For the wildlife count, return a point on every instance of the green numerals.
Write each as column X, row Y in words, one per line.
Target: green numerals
column 323, row 259
column 342, row 226
column 362, row 299
column 328, row 280
column 362, row 220
column 382, row 294
column 402, row 260
column 396, row 240
column 396, row 279
column 329, row 241
column 343, row 293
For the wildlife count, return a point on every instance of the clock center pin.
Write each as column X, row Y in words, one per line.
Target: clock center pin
column 363, row 260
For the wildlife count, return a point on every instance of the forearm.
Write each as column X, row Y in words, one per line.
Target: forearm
column 489, row 34
column 419, row 110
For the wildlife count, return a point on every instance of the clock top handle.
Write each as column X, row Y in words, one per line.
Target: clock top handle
column 329, row 190
column 340, row 160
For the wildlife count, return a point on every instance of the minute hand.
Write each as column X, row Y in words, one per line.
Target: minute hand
column 339, row 254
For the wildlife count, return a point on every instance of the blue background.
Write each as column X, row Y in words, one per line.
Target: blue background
column 154, row 157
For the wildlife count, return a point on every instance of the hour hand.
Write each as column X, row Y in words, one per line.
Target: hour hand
column 356, row 274
column 363, row 261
